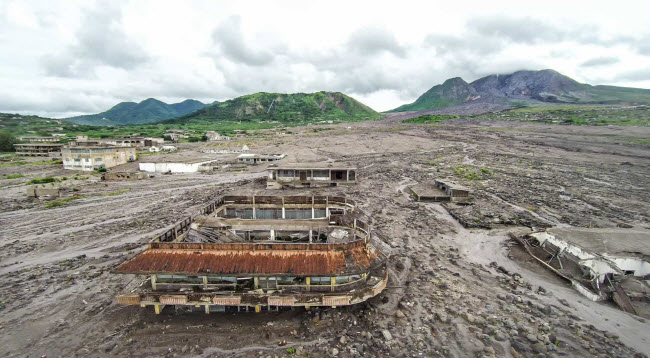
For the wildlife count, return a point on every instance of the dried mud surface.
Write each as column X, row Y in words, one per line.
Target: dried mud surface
column 453, row 290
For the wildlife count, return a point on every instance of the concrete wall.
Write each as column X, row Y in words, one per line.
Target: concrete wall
column 170, row 167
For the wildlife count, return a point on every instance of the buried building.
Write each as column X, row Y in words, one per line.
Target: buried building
column 440, row 190
column 306, row 175
column 261, row 252
column 601, row 264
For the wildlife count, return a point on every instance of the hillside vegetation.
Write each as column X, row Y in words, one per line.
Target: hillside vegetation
column 282, row 108
column 148, row 111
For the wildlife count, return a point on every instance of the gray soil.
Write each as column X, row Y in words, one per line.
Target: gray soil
column 455, row 290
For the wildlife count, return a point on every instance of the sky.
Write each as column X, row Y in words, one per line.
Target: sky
column 65, row 58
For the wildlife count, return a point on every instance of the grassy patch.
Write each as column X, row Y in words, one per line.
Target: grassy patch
column 594, row 115
column 42, row 180
column 472, row 173
column 12, row 164
column 13, row 176
column 57, row 203
column 431, row 118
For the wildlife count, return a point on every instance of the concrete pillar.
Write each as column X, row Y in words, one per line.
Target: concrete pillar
column 332, row 282
column 207, row 309
column 283, row 212
column 256, row 282
column 258, row 309
column 310, row 237
column 272, row 235
column 254, row 216
column 153, row 282
column 308, row 280
column 156, row 308
column 205, row 282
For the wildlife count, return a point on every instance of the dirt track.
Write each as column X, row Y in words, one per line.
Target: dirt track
column 447, row 295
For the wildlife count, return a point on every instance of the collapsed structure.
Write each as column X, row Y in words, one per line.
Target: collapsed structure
column 440, row 190
column 39, row 149
column 261, row 252
column 90, row 158
column 306, row 175
column 601, row 264
column 254, row 159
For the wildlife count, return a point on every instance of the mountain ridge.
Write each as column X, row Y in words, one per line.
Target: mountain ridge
column 543, row 85
column 147, row 111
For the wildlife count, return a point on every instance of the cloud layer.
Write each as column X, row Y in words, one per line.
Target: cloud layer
column 62, row 59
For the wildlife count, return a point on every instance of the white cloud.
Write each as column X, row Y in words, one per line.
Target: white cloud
column 73, row 57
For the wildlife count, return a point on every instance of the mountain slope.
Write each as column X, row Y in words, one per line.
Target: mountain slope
column 283, row 107
column 544, row 85
column 148, row 111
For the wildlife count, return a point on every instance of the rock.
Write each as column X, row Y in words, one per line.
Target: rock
column 342, row 340
column 387, row 334
column 500, row 336
column 539, row 347
column 400, row 314
column 531, row 337
column 519, row 346
column 335, row 352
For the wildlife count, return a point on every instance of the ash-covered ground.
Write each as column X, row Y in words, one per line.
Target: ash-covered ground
column 453, row 291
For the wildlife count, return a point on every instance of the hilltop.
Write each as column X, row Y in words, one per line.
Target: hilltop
column 541, row 86
column 282, row 107
column 148, row 111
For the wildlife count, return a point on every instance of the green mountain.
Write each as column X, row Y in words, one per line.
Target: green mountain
column 148, row 111
column 544, row 85
column 281, row 107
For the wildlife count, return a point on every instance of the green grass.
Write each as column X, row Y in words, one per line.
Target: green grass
column 42, row 180
column 430, row 118
column 57, row 203
column 13, row 176
column 576, row 114
column 472, row 173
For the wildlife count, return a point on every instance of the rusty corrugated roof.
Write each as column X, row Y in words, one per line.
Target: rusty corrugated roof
column 254, row 262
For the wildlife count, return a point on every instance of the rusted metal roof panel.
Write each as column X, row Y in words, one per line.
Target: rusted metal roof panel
column 128, row 299
column 282, row 301
column 336, row 300
column 226, row 301
column 255, row 262
column 173, row 300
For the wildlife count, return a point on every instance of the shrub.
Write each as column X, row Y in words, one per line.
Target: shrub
column 7, row 141
column 13, row 176
column 42, row 180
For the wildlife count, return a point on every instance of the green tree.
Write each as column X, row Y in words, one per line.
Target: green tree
column 7, row 141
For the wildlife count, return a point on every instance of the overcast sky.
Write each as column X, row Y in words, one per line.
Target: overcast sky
column 63, row 58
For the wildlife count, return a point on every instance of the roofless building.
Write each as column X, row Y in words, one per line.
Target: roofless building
column 307, row 175
column 261, row 252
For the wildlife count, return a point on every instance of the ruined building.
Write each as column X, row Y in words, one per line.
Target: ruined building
column 89, row 158
column 260, row 252
column 39, row 149
column 306, row 175
column 441, row 190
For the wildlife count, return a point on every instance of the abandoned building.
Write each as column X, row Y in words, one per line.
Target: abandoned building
column 260, row 253
column 307, row 175
column 440, row 191
column 89, row 158
column 39, row 149
column 601, row 264
column 175, row 166
column 215, row 136
column 130, row 141
column 40, row 139
column 254, row 159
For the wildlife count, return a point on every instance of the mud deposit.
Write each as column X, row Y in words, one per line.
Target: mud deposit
column 453, row 290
